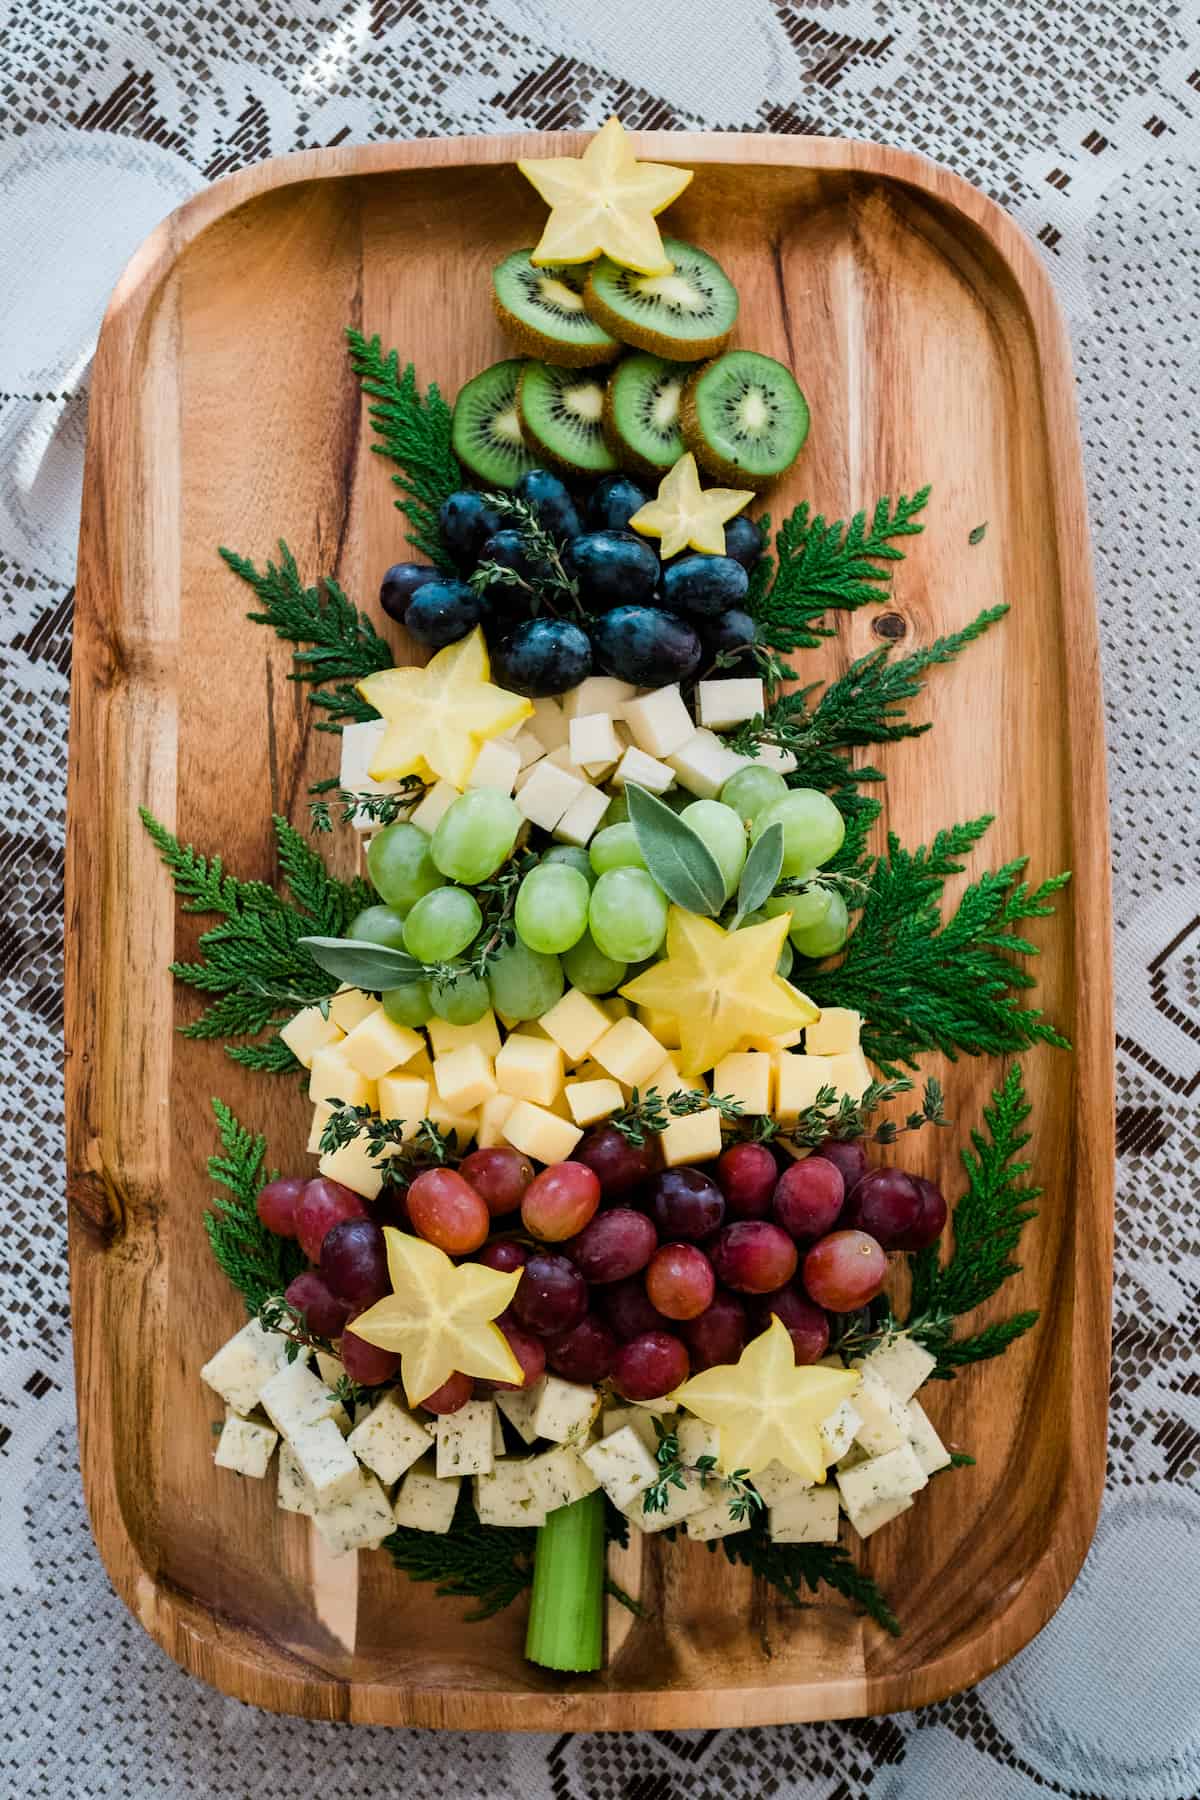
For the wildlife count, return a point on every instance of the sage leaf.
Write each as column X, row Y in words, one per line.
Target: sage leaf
column 682, row 864
column 760, row 872
column 369, row 966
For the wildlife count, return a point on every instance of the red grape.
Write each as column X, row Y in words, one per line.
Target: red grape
column 277, row 1202
column 849, row 1159
column 649, row 1366
column 931, row 1220
column 845, row 1270
column 719, row 1334
column 354, row 1262
column 687, row 1203
column 367, row 1363
column 505, row 1254
column 321, row 1206
column 746, row 1175
column 885, row 1204
column 585, row 1353
column 807, row 1325
column 552, row 1295
column 628, row 1308
column 324, row 1314
column 447, row 1211
column 808, row 1198
column 754, row 1257
column 499, row 1176
column 528, row 1350
column 618, row 1165
column 680, row 1281
column 453, row 1394
column 560, row 1201
column 615, row 1244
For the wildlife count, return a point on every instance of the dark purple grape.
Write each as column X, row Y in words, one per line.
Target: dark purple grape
column 615, row 1244
column 466, row 520
column 441, row 612
column 550, row 501
column 719, row 1334
column 365, row 1363
column 354, row 1262
column 734, row 634
column 542, row 657
column 849, row 1159
column 551, row 1296
column 585, row 1353
column 277, row 1202
column 629, row 1309
column 886, row 1204
column 703, row 587
column 614, row 501
column 647, row 646
column 452, row 1396
column 808, row 1199
column 613, row 568
column 806, row 1324
column 321, row 1206
column 650, row 1366
column 686, row 1204
column 931, row 1221
column 505, row 1254
column 618, row 1165
column 510, row 548
column 753, row 1256
column 746, row 1175
column 744, row 540
column 324, row 1312
column 528, row 1350
column 400, row 584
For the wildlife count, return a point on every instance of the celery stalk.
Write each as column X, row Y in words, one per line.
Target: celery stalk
column 566, row 1614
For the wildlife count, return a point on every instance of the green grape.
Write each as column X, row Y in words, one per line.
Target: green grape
column 441, row 924
column 399, row 864
column 408, row 1005
column 628, row 914
column 813, row 829
column 587, row 968
column 525, row 983
column 618, row 809
column 808, row 908
column 783, row 962
column 551, row 912
column 829, row 934
column 753, row 789
column 575, row 857
column 615, row 847
column 377, row 925
column 461, row 1001
column 475, row 834
column 721, row 830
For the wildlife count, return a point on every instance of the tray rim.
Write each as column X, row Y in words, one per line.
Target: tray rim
column 196, row 1636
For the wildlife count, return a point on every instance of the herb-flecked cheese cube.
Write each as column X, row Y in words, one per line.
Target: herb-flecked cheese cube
column 546, row 795
column 245, row 1446
column 693, row 1497
column 294, row 1398
column 714, row 1520
column 446, row 1038
column 497, row 766
column 389, row 1440
column 593, row 739
column 894, row 1476
column 805, row 1516
column 639, row 1421
column 646, row 771
column 835, row 1033
column 575, row 1023
column 353, row 1164
column 870, row 1518
column 720, row 704
column 694, row 1138
column 499, row 1446
column 928, row 1447
column 358, row 1519
column 424, row 1502
column 378, row 1045
column 330, row 1469
column 332, row 1078
column 776, row 1481
column 404, row 1097
column 622, row 1465
column 703, row 765
column 745, row 1076
column 559, row 1477
column 581, row 819
column 901, row 1363
column 465, row 1078
column 565, row 1410
column 350, row 1006
column 886, row 1421
column 330, row 1368
column 505, row 1497
column 519, row 1406
column 309, row 1032
column 628, row 1052
column 435, row 803
column 242, row 1367
column 464, row 1440
column 591, row 1101
column 598, row 694
column 539, row 1134
column 839, row 1430
column 530, row 1068
column 492, row 1114
column 293, row 1493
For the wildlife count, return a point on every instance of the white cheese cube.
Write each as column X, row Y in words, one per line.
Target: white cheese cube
column 354, row 1166
column 839, row 1430
column 446, row 1037
column 434, row 804
column 806, row 1515
column 835, row 1033
column 293, row 1493
column 360, row 746
column 539, row 1134
column 497, row 766
column 519, row 1406
column 358, row 1520
column 659, row 722
column 694, row 1138
column 242, row 1367
column 549, row 723
column 720, row 704
column 559, row 1477
column 928, row 1447
column 424, row 1502
column 575, row 1023
column 704, row 764
column 622, row 1465
column 645, row 771
column 350, row 1006
column 464, row 1440
column 772, row 757
column 529, row 747
column 565, row 1410
column 562, row 759
column 598, row 694
column 295, row 1398
column 901, row 1364
column 880, row 1479
column 332, row 1471
column 886, row 1421
column 593, row 740
column 627, row 1052
column 776, row 1482
column 310, row 1031
column 639, row 1421
column 547, row 794
column 506, row 1497
column 591, row 1101
column 714, row 1520
column 530, row 1068
column 582, row 817
column 697, row 1438
column 245, row 1446
column 377, row 1045
column 389, row 1440
column 882, row 1513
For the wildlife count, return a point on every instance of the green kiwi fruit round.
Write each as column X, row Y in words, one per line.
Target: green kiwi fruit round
column 486, row 429
column 641, row 412
column 562, row 417
column 543, row 312
column 685, row 316
column 744, row 418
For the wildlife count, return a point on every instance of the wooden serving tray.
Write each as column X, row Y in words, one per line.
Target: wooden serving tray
column 926, row 336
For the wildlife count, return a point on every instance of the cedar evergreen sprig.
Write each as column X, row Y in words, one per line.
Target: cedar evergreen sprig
column 257, row 1262
column 252, row 962
column 413, row 431
column 492, row 1564
column 792, row 1568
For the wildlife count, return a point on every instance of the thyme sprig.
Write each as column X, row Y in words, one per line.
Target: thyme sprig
column 374, row 809
column 744, row 1499
column 649, row 1111
column 551, row 586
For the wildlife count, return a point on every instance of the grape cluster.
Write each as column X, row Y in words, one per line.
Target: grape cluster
column 636, row 618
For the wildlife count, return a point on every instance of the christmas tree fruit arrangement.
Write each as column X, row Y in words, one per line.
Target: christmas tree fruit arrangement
column 605, row 1044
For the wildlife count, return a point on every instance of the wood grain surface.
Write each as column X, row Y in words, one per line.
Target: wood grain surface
column 923, row 329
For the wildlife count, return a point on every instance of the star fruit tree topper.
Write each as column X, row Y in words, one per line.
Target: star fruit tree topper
column 604, row 203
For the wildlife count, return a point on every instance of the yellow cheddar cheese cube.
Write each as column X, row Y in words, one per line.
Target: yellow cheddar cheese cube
column 530, row 1068
column 378, row 1045
column 332, row 1078
column 492, row 1115
column 420, row 1065
column 309, row 1032
column 350, row 1006
column 798, row 1080
column 667, row 1079
column 850, row 1074
column 662, row 1025
column 574, row 1023
column 628, row 1051
column 590, row 1070
column 696, row 1138
column 464, row 1125
column 404, row 1097
column 616, row 1007
column 354, row 1166
column 446, row 1037
column 593, row 1100
column 746, row 1077
column 835, row 1033
column 539, row 1134
column 771, row 1046
column 464, row 1079
column 321, row 1117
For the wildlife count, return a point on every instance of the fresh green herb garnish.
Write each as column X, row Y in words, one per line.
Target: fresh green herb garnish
column 744, row 1499
column 650, row 1111
column 377, row 809
column 413, row 431
column 257, row 1262
column 792, row 1568
column 839, row 1116
column 551, row 587
column 491, row 1564
column 398, row 1156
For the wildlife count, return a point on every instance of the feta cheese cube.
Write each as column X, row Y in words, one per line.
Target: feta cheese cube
column 389, row 1440
column 331, row 1471
column 720, row 704
column 529, row 747
column 772, row 757
column 660, row 722
column 880, row 1480
column 353, row 1165
column 404, row 1097
column 331, row 1078
column 308, row 1032
column 464, row 1440
column 839, row 1430
column 901, row 1363
column 697, row 1438
column 776, row 1482
column 704, row 764
column 377, row 1045
column 465, row 1078
column 798, row 1081
column 549, row 723
column 446, row 1037
column 694, row 1138
column 497, row 766
column 591, row 1101
column 505, row 1496
column 242, row 1367
column 714, row 1520
column 805, row 1516
column 582, row 817
column 559, row 1477
column 635, row 765
column 745, row 1076
column 565, row 1410
column 622, row 1465
column 492, row 1117
column 292, row 1492
column 434, row 804
column 358, row 1520
column 539, row 1134
column 360, row 746
column 593, row 740
column 662, row 1025
column 835, row 1033
column 245, row 1446
column 598, row 694
column 639, row 1421
column 519, row 1405
column 530, row 1068
column 547, row 794
column 928, row 1447
column 682, row 1502
column 350, row 1006
column 628, row 1052
column 575, row 1023
column 294, row 1398
column 499, row 1445
column 425, row 1502
column 886, row 1421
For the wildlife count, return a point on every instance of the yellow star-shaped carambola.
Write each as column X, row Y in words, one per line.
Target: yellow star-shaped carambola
column 721, row 987
column 685, row 513
column 767, row 1408
column 603, row 204
column 438, row 1317
column 438, row 716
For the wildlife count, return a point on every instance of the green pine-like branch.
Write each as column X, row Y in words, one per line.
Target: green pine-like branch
column 413, row 431
column 791, row 1569
column 257, row 1262
column 491, row 1564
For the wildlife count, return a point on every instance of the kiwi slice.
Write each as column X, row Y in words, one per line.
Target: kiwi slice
column 486, row 430
column 686, row 315
column 562, row 417
column 641, row 412
column 744, row 418
column 544, row 312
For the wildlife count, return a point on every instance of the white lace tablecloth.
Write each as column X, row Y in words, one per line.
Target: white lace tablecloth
column 1084, row 120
